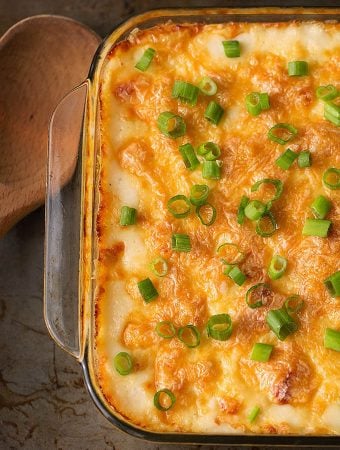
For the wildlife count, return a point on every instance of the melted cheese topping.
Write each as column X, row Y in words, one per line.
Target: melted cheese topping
column 217, row 384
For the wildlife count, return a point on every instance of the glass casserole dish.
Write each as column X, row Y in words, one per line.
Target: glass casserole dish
column 71, row 215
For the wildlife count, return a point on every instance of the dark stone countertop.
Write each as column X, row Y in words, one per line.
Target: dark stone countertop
column 43, row 401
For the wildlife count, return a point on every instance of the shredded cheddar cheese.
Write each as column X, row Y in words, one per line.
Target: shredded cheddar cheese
column 296, row 389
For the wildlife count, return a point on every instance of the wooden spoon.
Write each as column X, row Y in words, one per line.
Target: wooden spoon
column 41, row 59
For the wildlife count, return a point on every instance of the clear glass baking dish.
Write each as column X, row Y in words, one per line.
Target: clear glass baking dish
column 70, row 217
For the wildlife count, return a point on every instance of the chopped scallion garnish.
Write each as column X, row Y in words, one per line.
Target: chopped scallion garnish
column 297, row 68
column 127, row 216
column 261, row 352
column 159, row 267
column 332, row 339
column 147, row 290
column 277, row 267
column 281, row 323
column 321, row 207
column 230, row 253
column 253, row 414
column 278, row 189
column 231, row 48
column 286, row 159
column 331, row 178
column 304, row 159
column 208, row 86
column 237, row 275
column 189, row 157
column 220, row 327
column 171, row 124
column 211, row 170
column 199, row 194
column 254, row 210
column 123, row 363
column 166, row 329
column 206, row 213
column 209, row 150
column 253, row 103
column 214, row 112
column 332, row 284
column 179, row 206
column 266, row 225
column 164, row 399
column 256, row 294
column 180, row 242
column 185, row 91
column 293, row 304
column 282, row 133
column 146, row 59
column 316, row 227
column 189, row 335
column 327, row 93
column 240, row 212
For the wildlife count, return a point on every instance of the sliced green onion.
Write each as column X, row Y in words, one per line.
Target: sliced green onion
column 168, row 400
column 253, row 103
column 331, row 178
column 166, row 329
column 171, row 124
column 230, row 253
column 147, row 290
column 159, row 267
column 277, row 267
column 316, row 227
column 220, row 327
column 206, row 213
column 227, row 269
column 179, row 206
column 256, row 294
column 189, row 157
column 211, row 170
column 331, row 117
column 261, row 352
column 194, row 338
column 185, row 91
column 281, row 323
column 304, row 159
column 209, row 150
column 297, row 68
column 333, row 109
column 208, row 86
column 237, row 276
column 332, row 339
column 146, row 59
column 287, row 133
column 327, row 93
column 127, row 216
column 240, row 212
column 214, row 112
column 321, row 207
column 254, row 210
column 231, row 49
column 180, row 242
column 199, row 194
column 278, row 189
column 264, row 100
column 286, row 159
column 266, row 225
column 253, row 414
column 332, row 284
column 293, row 304
column 123, row 363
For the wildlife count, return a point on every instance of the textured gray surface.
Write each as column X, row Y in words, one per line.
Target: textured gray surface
column 43, row 401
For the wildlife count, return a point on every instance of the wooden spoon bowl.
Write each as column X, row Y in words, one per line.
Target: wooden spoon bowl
column 41, row 59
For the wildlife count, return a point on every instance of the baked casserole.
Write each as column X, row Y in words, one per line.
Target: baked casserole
column 218, row 228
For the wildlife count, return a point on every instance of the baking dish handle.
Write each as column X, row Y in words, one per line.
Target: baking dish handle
column 63, row 221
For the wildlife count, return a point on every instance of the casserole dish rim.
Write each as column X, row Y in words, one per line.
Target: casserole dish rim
column 88, row 230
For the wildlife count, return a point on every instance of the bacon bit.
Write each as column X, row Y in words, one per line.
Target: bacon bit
column 229, row 405
column 281, row 389
column 305, row 96
column 125, row 90
column 108, row 254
